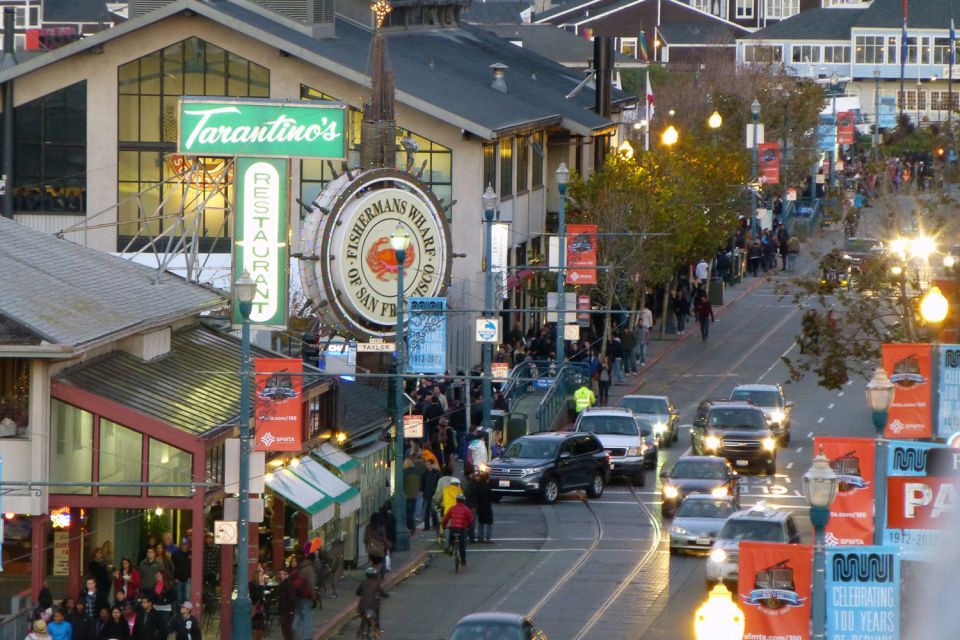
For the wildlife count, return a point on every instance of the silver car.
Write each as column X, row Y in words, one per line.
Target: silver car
column 659, row 412
column 698, row 521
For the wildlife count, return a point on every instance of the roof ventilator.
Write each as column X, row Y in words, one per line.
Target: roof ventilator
column 499, row 77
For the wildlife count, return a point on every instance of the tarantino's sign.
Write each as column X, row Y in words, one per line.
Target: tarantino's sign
column 264, row 128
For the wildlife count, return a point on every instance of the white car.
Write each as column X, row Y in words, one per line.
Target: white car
column 776, row 409
column 621, row 434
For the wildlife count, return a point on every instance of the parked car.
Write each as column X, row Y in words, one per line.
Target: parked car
column 858, row 250
column 628, row 439
column 550, row 463
column 760, row 523
column 659, row 412
column 774, row 404
column 710, row 475
column 736, row 430
column 698, row 521
column 493, row 624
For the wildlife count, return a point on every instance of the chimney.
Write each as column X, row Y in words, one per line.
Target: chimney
column 603, row 68
column 499, row 77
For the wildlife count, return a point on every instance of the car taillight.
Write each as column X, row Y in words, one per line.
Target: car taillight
column 607, row 453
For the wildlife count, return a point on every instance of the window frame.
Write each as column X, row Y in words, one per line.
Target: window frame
column 506, row 168
column 743, row 9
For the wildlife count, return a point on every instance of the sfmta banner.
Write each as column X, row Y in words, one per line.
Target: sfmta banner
column 774, row 584
column 863, row 593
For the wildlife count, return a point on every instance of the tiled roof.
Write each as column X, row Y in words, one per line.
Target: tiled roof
column 494, row 12
column 922, row 14
column 812, row 24
column 77, row 11
column 361, row 408
column 73, row 295
column 556, row 44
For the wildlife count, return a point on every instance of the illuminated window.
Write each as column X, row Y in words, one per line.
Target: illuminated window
column 169, row 464
column 120, row 458
column 506, row 167
column 745, row 8
column 523, row 162
column 15, row 395
column 71, row 447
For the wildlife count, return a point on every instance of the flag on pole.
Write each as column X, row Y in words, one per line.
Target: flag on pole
column 649, row 99
column 642, row 41
column 903, row 38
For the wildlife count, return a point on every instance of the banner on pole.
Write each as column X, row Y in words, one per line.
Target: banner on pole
column 845, row 127
column 908, row 461
column 888, row 112
column 851, row 513
column 827, row 132
column 581, row 254
column 279, row 404
column 769, row 159
column 948, row 403
column 863, row 593
column 427, row 335
column 909, row 367
column 775, row 582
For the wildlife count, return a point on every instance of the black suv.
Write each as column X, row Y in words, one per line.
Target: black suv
column 550, row 463
column 738, row 431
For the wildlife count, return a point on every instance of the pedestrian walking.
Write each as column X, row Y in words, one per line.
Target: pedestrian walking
column 681, row 309
column 793, row 250
column 431, row 477
column 604, row 382
column 411, row 491
column 583, row 398
column 150, row 625
column 371, row 593
column 754, row 257
column 702, row 271
column 287, row 603
column 643, row 339
column 705, row 316
column 305, row 582
column 484, row 500
column 186, row 626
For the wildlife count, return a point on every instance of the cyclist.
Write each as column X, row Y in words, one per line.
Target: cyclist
column 370, row 594
column 459, row 520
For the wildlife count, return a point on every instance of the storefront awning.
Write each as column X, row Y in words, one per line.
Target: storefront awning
column 334, row 456
column 304, row 495
column 319, row 477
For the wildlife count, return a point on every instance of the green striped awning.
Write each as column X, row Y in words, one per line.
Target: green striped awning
column 306, row 497
column 315, row 474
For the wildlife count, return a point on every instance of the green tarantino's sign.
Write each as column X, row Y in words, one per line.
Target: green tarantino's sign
column 260, row 230
column 263, row 128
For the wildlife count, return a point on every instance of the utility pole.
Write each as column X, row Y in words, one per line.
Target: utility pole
column 563, row 174
column 489, row 200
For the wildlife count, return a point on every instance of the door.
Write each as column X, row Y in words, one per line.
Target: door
column 567, row 465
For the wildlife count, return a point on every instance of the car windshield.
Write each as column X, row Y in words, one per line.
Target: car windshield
column 861, row 245
column 532, row 448
column 705, row 509
column 758, row 397
column 758, row 530
column 698, row 470
column 624, row 425
column 645, row 405
column 487, row 631
column 737, row 418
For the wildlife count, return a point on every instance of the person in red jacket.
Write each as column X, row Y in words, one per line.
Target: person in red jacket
column 459, row 519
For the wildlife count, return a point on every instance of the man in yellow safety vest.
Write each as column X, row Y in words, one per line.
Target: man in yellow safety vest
column 584, row 397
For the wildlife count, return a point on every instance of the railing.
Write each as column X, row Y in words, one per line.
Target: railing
column 807, row 214
column 555, row 400
column 16, row 626
column 515, row 389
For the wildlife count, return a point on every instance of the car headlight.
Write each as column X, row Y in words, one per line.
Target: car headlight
column 670, row 492
column 633, row 452
column 718, row 556
column 711, row 442
column 846, row 256
column 769, row 444
column 659, row 427
column 719, row 492
column 532, row 470
column 777, row 416
column 679, row 531
column 484, row 467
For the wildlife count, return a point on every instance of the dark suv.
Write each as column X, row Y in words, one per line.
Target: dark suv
column 738, row 431
column 550, row 463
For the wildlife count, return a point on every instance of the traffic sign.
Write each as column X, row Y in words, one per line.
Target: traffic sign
column 225, row 532
column 488, row 330
column 412, row 426
column 376, row 347
column 500, row 370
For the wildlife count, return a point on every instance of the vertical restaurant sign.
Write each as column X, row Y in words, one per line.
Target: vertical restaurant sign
column 851, row 513
column 260, row 237
column 61, row 553
column 279, row 404
column 910, row 368
column 774, row 585
column 827, row 132
column 948, row 406
column 863, row 593
column 581, row 254
column 887, row 112
column 845, row 127
column 769, row 160
column 427, row 335
column 500, row 241
column 908, row 462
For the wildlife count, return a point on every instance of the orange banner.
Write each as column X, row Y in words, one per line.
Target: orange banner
column 851, row 514
column 581, row 254
column 769, row 159
column 775, row 584
column 845, row 127
column 909, row 367
column 279, row 404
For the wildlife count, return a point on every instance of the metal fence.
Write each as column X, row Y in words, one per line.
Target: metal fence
column 555, row 400
column 16, row 626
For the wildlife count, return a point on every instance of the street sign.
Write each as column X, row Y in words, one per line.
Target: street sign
column 376, row 347
column 225, row 532
column 571, row 331
column 500, row 370
column 231, row 509
column 488, row 330
column 231, row 467
column 412, row 426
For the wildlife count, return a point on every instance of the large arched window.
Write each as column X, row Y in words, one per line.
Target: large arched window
column 155, row 184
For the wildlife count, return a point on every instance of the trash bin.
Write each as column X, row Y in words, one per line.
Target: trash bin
column 715, row 293
column 738, row 267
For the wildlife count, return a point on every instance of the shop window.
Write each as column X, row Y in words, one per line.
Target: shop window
column 506, row 168
column 523, row 162
column 50, row 152
column 14, row 397
column 215, row 465
column 169, row 464
column 150, row 172
column 121, row 454
column 536, row 151
column 71, row 447
column 490, row 165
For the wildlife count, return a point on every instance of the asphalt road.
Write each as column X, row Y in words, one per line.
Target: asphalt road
column 601, row 568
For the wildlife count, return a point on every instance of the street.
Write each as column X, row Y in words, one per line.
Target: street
column 602, row 568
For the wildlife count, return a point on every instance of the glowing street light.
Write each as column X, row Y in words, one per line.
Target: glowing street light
column 718, row 618
column 949, row 261
column 715, row 121
column 934, row 306
column 923, row 247
column 625, row 149
column 670, row 136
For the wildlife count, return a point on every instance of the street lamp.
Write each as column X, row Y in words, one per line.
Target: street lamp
column 244, row 289
column 563, row 174
column 755, row 111
column 670, row 136
column 625, row 149
column 934, row 306
column 719, row 618
column 820, row 488
column 489, row 202
column 715, row 121
column 399, row 241
column 879, row 398
column 876, row 111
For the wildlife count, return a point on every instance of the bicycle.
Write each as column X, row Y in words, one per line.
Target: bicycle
column 369, row 629
column 458, row 560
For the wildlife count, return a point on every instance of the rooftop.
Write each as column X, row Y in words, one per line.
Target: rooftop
column 813, row 24
column 560, row 46
column 77, row 11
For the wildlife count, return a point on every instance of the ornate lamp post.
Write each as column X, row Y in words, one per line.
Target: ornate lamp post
column 399, row 241
column 755, row 151
column 715, row 121
column 719, row 618
column 489, row 201
column 670, row 136
column 244, row 289
column 820, row 487
column 879, row 393
column 563, row 174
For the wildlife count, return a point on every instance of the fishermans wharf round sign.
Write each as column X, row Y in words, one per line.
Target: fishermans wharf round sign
column 348, row 267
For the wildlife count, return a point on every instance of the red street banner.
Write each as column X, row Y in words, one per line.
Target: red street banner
column 851, row 514
column 909, row 367
column 769, row 157
column 921, row 502
column 774, row 584
column 279, row 404
column 845, row 127
column 581, row 254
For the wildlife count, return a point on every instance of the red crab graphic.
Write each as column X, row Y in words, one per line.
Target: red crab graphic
column 382, row 259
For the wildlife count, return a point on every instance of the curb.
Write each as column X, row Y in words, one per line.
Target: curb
column 394, row 578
